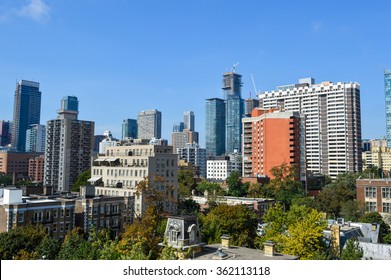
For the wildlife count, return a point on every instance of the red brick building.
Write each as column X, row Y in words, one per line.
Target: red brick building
column 375, row 193
column 36, row 168
column 272, row 137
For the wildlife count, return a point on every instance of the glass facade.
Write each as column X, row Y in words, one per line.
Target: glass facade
column 27, row 111
column 188, row 120
column 129, row 129
column 232, row 87
column 387, row 88
column 215, row 127
column 70, row 103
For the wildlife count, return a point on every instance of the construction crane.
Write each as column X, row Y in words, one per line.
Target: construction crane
column 234, row 67
column 252, row 78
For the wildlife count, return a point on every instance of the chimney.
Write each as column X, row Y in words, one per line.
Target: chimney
column 225, row 241
column 269, row 248
column 336, row 240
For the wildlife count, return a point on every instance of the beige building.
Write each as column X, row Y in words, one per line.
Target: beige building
column 118, row 172
column 378, row 156
column 180, row 139
column 55, row 214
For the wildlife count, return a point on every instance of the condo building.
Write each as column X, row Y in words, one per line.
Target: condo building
column 332, row 122
column 215, row 127
column 69, row 147
column 122, row 168
column 149, row 124
column 270, row 138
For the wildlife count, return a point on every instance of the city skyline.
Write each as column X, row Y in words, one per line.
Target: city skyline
column 123, row 58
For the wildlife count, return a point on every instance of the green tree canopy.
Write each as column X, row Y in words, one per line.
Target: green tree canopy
column 238, row 221
column 352, row 250
column 186, row 182
column 82, row 180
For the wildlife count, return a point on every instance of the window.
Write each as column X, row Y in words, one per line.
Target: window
column 38, row 216
column 55, row 213
column 386, row 193
column 173, row 236
column 370, row 192
column 370, row 206
column 387, row 208
column 47, row 215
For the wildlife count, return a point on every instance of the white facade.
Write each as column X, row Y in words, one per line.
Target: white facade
column 123, row 167
column 35, row 138
column 195, row 155
column 217, row 169
column 332, row 121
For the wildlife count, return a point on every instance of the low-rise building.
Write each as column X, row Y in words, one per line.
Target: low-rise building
column 375, row 193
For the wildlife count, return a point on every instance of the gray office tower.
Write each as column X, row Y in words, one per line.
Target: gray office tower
column 215, row 127
column 149, row 124
column 232, row 87
column 27, row 111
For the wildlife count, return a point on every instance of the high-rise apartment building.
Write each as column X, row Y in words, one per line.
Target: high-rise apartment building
column 387, row 89
column 129, row 129
column 37, row 168
column 5, row 133
column 189, row 120
column 69, row 146
column 180, row 139
column 70, row 103
column 250, row 104
column 149, row 124
column 27, row 111
column 232, row 88
column 35, row 138
column 271, row 138
column 332, row 122
column 215, row 126
column 192, row 153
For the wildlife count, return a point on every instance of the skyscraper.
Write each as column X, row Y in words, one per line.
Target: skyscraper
column 149, row 124
column 69, row 146
column 27, row 111
column 5, row 133
column 332, row 122
column 232, row 87
column 189, row 120
column 70, row 103
column 215, row 126
column 178, row 127
column 129, row 129
column 35, row 138
column 387, row 89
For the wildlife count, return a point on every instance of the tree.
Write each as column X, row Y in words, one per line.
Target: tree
column 352, row 250
column 305, row 236
column 76, row 247
column 331, row 199
column 212, row 188
column 351, row 210
column 298, row 231
column 82, row 180
column 21, row 242
column 48, row 248
column 5, row 179
column 238, row 221
column 186, row 183
column 235, row 185
column 188, row 207
column 285, row 186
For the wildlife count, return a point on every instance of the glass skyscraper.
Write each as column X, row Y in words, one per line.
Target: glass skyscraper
column 129, row 129
column 215, row 126
column 27, row 111
column 188, row 120
column 387, row 88
column 232, row 88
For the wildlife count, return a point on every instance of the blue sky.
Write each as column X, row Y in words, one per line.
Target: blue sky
column 120, row 57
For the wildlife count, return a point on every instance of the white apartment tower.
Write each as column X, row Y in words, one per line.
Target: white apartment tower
column 332, row 121
column 69, row 147
column 121, row 168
